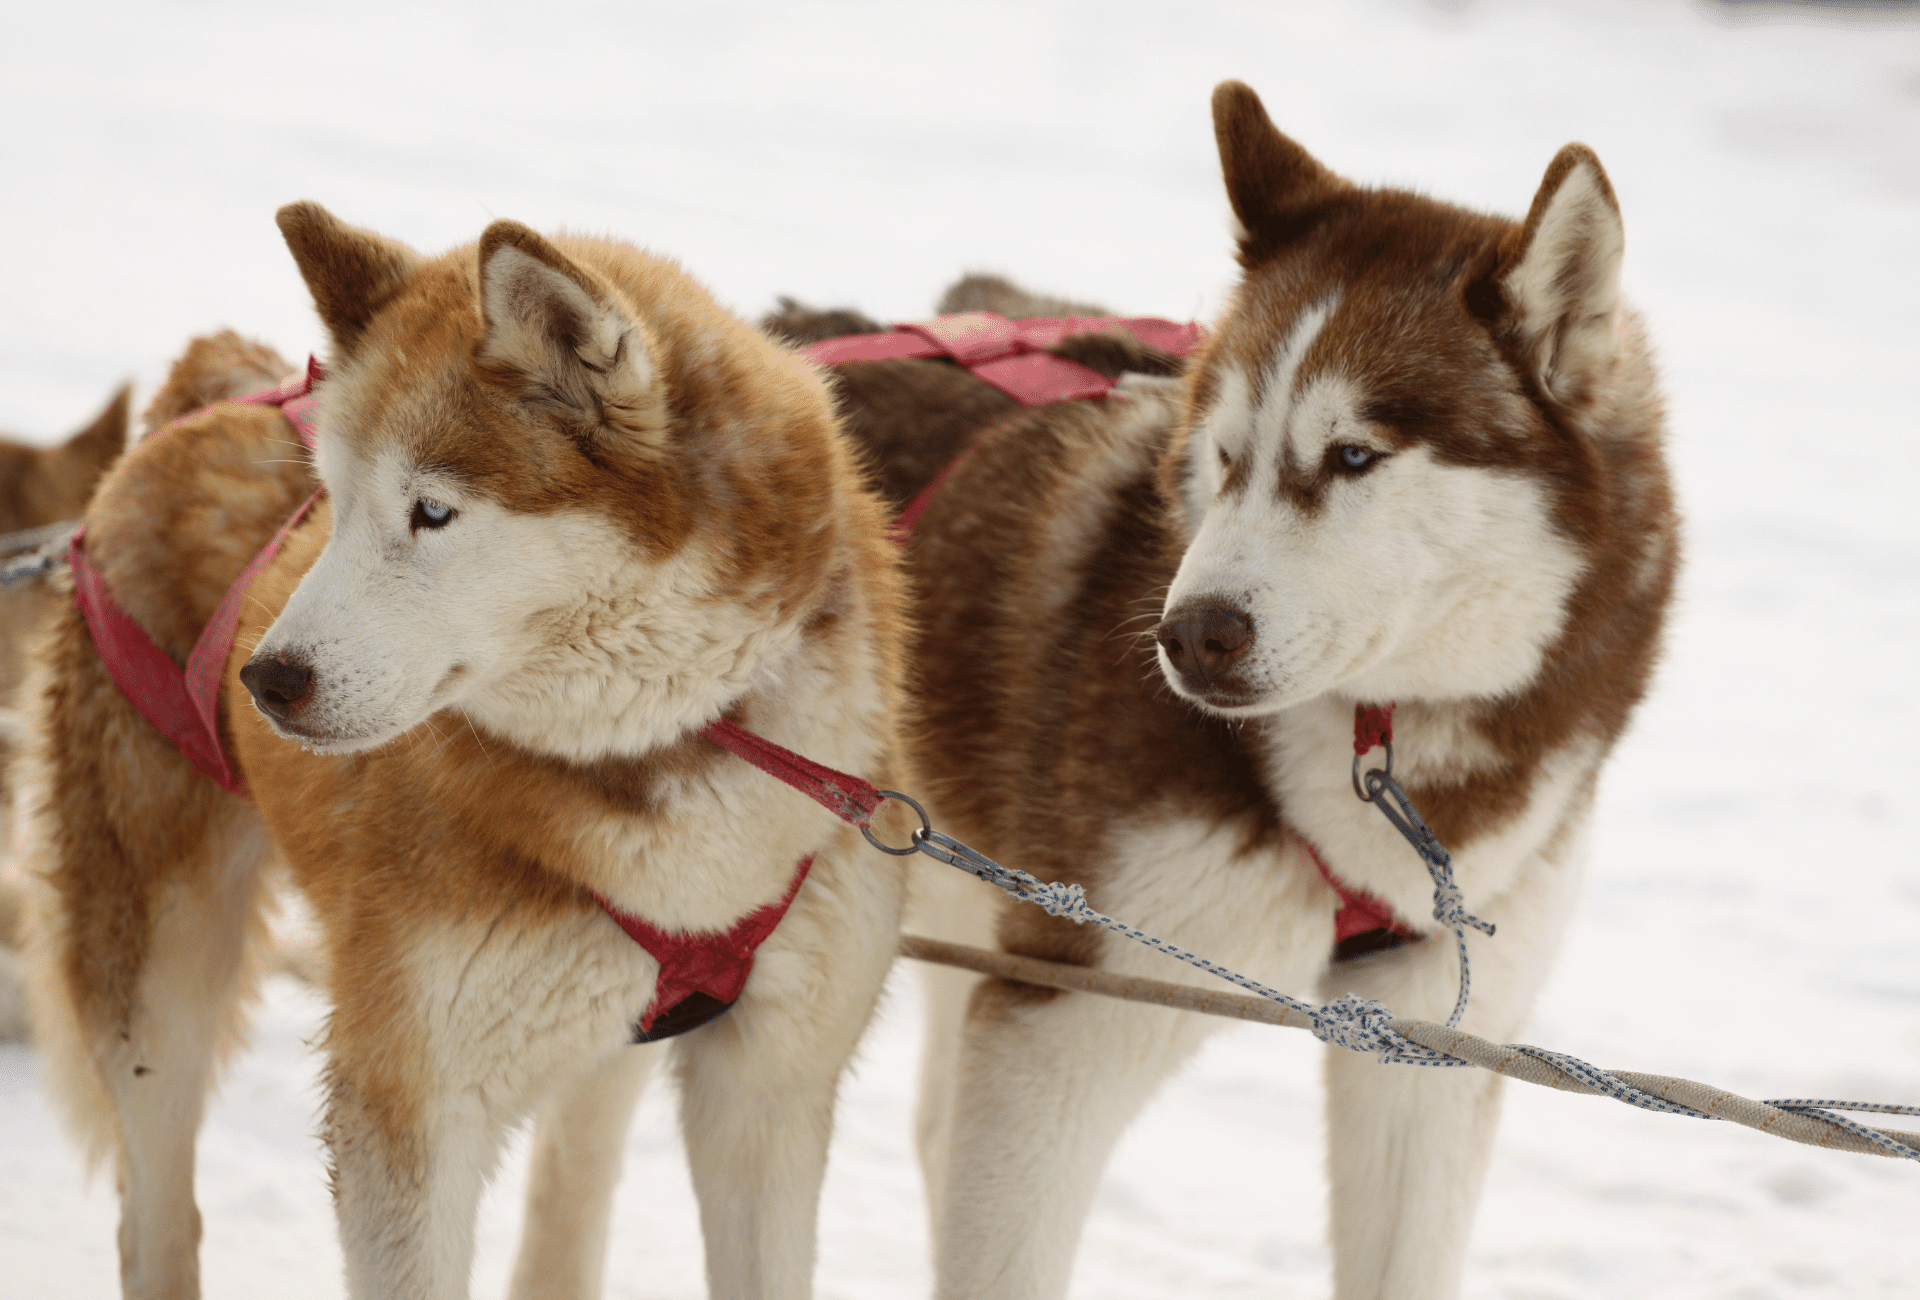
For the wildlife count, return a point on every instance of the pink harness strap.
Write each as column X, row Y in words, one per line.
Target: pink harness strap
column 716, row 965
column 1010, row 354
column 185, row 703
column 1360, row 912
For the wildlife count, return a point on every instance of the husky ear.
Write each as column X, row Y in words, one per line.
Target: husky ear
column 557, row 326
column 1272, row 182
column 100, row 443
column 1560, row 286
column 351, row 273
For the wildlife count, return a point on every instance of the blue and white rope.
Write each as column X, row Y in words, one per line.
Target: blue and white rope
column 1363, row 1025
column 49, row 553
column 1358, row 1024
column 1824, row 1110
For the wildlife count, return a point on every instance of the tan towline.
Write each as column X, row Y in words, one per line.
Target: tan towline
column 1499, row 1058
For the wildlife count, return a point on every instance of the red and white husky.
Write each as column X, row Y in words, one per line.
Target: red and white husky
column 575, row 513
column 1417, row 462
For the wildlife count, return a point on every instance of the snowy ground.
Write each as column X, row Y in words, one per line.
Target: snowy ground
column 1751, row 914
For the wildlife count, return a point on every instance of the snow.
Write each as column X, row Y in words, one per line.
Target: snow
column 1755, row 889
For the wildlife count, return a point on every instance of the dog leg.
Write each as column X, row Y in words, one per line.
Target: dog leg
column 1408, row 1145
column 443, row 1039
column 408, row 1170
column 578, row 1141
column 152, row 1074
column 184, row 1008
column 1048, row 1081
column 950, row 905
column 758, row 1084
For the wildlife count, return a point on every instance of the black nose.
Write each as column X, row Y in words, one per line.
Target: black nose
column 1205, row 643
column 280, row 686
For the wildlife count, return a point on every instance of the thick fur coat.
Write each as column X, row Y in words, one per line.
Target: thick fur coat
column 573, row 513
column 1417, row 462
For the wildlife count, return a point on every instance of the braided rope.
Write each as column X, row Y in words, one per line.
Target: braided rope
column 1358, row 1024
column 1796, row 1121
column 28, row 566
column 29, row 538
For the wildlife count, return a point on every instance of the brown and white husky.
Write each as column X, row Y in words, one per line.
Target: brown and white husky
column 44, row 486
column 575, row 512
column 1417, row 463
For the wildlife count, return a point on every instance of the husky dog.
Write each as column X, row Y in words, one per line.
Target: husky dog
column 39, row 487
column 575, row 513
column 1417, row 462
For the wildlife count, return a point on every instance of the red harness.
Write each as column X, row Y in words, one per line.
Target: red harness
column 185, row 703
column 1361, row 914
column 1009, row 354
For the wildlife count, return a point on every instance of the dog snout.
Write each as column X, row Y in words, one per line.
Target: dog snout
column 281, row 685
column 1206, row 643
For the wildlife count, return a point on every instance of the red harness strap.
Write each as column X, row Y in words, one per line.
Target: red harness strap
column 1360, row 912
column 185, row 703
column 1010, row 354
column 701, row 975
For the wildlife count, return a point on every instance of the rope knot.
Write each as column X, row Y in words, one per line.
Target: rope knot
column 1450, row 905
column 1357, row 1024
column 1061, row 899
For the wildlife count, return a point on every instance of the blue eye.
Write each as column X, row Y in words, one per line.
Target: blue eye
column 429, row 514
column 1354, row 457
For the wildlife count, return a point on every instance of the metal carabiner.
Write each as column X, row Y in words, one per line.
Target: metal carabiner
column 1367, row 795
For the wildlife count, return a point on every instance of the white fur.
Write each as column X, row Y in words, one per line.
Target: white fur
column 547, row 629
column 1042, row 1096
column 1418, row 580
column 1430, row 584
column 1566, row 288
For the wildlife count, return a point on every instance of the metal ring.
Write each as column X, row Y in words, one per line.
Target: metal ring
column 1364, row 795
column 919, row 836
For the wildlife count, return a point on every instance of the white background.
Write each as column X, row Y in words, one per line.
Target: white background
column 1753, row 914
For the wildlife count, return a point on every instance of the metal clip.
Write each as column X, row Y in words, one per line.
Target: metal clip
column 1386, row 771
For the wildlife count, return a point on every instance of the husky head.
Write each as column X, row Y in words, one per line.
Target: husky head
column 1388, row 463
column 571, row 497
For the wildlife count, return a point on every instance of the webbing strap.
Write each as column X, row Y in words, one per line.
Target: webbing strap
column 714, row 964
column 1372, row 726
column 184, row 703
column 849, row 798
column 1360, row 912
column 1011, row 354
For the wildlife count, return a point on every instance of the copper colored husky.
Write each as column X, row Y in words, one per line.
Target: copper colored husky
column 1417, row 462
column 574, row 513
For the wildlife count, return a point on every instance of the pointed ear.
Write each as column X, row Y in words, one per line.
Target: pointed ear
column 1272, row 182
column 564, row 334
column 1560, row 286
column 100, row 443
column 351, row 273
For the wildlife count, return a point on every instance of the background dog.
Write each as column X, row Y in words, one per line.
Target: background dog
column 45, row 486
column 1417, row 462
column 38, row 486
column 574, row 512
